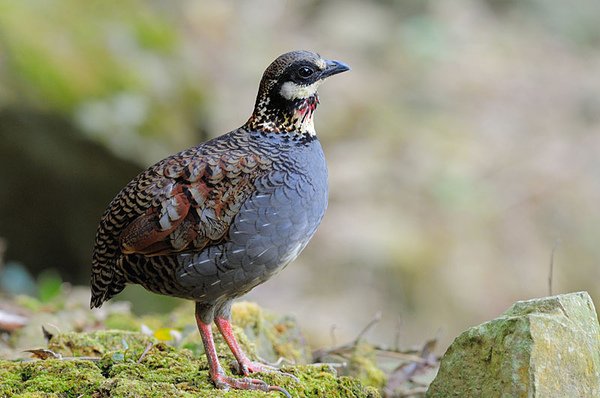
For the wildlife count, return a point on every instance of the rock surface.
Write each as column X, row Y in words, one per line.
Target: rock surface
column 548, row 347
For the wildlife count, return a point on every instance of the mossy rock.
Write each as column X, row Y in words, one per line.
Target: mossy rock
column 122, row 370
column 112, row 363
column 548, row 347
column 50, row 378
column 98, row 343
column 273, row 336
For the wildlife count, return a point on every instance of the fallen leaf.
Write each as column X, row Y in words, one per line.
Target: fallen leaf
column 43, row 354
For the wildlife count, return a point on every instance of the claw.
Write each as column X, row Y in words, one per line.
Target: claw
column 286, row 374
column 281, row 390
column 246, row 383
column 257, row 367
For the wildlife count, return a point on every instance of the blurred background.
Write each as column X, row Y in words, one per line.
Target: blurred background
column 463, row 146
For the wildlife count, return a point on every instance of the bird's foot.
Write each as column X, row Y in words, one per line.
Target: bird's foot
column 248, row 367
column 225, row 382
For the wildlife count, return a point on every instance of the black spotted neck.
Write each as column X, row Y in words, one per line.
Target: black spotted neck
column 284, row 117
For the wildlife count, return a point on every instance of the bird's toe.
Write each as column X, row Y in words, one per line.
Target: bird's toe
column 247, row 383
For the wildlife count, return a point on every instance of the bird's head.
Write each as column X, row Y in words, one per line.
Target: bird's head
column 287, row 96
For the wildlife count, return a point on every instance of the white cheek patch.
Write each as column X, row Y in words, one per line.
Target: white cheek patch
column 292, row 91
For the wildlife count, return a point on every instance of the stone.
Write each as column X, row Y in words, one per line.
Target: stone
column 547, row 347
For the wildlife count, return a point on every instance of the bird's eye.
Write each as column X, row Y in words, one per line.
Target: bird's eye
column 305, row 72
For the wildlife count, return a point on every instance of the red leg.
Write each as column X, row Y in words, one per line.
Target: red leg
column 217, row 374
column 246, row 365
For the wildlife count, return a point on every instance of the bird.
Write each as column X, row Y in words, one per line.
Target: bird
column 212, row 222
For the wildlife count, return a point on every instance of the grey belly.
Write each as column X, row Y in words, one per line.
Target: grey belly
column 271, row 229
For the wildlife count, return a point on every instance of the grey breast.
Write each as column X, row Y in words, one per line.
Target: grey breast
column 271, row 229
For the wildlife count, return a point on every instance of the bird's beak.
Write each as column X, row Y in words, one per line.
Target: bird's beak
column 333, row 68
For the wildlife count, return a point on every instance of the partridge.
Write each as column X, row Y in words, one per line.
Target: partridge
column 212, row 222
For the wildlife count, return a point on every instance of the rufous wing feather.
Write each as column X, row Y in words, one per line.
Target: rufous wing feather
column 196, row 205
column 147, row 231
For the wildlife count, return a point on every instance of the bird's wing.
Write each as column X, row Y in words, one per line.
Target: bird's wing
column 192, row 201
column 185, row 202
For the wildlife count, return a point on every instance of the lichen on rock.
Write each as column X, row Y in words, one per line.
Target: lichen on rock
column 548, row 347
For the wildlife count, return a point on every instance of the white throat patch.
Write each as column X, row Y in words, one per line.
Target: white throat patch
column 291, row 91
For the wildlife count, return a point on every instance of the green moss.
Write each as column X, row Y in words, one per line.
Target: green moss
column 247, row 314
column 362, row 366
column 60, row 377
column 99, row 342
column 274, row 337
column 134, row 389
column 11, row 379
column 321, row 381
column 164, row 371
column 161, row 364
